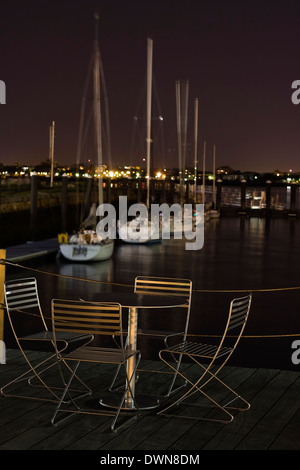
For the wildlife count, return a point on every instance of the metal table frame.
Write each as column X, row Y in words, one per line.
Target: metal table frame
column 133, row 302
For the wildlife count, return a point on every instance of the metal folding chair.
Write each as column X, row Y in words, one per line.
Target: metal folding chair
column 23, row 303
column 98, row 319
column 165, row 286
column 210, row 354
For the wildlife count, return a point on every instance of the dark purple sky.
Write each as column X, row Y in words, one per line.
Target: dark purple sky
column 239, row 56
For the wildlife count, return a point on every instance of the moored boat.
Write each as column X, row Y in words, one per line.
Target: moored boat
column 87, row 245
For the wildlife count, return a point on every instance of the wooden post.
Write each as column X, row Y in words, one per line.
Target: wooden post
column 243, row 196
column 33, row 206
column 268, row 197
column 219, row 194
column 293, row 199
column 64, row 189
column 139, row 183
column 2, row 280
column 108, row 182
column 89, row 196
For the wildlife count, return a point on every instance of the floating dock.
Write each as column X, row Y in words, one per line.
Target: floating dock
column 31, row 250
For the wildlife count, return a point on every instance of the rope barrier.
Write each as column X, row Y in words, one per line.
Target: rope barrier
column 217, row 291
column 4, row 261
column 214, row 291
column 247, row 336
column 10, row 263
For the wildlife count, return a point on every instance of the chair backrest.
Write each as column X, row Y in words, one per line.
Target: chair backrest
column 163, row 285
column 166, row 285
column 95, row 318
column 237, row 318
column 21, row 295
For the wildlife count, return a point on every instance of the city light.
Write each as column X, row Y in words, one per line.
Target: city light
column 226, row 174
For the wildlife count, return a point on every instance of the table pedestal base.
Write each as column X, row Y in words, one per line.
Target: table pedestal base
column 144, row 402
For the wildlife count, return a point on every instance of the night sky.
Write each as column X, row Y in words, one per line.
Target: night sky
column 239, row 56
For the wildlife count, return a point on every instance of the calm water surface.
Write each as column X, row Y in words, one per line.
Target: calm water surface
column 238, row 254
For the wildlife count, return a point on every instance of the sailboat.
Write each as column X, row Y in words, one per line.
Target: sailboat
column 141, row 229
column 86, row 245
column 182, row 98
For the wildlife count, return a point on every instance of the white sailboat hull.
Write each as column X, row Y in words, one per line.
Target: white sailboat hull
column 214, row 214
column 140, row 240
column 87, row 252
column 188, row 222
column 145, row 235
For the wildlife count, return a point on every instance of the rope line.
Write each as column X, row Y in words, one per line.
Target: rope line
column 215, row 291
column 4, row 261
column 190, row 334
column 247, row 336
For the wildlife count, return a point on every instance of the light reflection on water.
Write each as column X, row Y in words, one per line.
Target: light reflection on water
column 238, row 254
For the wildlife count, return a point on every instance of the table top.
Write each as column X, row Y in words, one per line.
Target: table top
column 143, row 300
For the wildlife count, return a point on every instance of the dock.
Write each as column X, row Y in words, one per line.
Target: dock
column 29, row 250
column 272, row 423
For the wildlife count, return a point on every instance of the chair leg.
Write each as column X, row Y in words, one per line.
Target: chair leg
column 82, row 393
column 34, row 374
column 111, row 387
column 28, row 375
column 197, row 387
column 236, row 397
column 172, row 390
column 116, row 414
column 215, row 376
column 61, row 401
column 127, row 387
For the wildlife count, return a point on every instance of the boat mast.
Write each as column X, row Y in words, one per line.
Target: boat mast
column 203, row 174
column 51, row 151
column 214, row 178
column 178, row 109
column 97, row 110
column 182, row 115
column 196, row 150
column 149, row 101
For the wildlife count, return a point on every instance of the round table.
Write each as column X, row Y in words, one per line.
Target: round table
column 133, row 302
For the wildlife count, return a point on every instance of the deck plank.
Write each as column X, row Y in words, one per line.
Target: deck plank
column 272, row 422
column 283, row 407
column 289, row 438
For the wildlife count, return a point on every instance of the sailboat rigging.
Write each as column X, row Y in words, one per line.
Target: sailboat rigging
column 86, row 245
column 141, row 229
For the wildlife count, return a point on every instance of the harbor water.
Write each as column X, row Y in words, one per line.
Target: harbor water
column 239, row 255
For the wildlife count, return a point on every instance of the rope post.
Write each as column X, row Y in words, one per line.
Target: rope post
column 268, row 196
column 2, row 280
column 33, row 206
column 219, row 194
column 64, row 191
column 243, row 195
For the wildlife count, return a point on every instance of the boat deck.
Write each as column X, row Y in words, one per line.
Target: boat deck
column 273, row 422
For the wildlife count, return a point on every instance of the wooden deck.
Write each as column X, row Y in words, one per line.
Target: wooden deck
column 273, row 422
